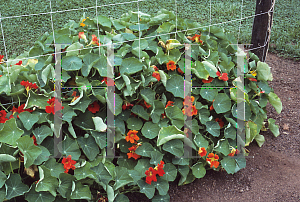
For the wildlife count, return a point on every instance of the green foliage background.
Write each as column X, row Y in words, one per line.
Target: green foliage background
column 21, row 32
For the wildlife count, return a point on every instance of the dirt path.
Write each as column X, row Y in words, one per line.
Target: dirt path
column 273, row 172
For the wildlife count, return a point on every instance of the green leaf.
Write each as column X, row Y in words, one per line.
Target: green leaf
column 85, row 171
column 223, row 147
column 166, row 27
column 103, row 20
column 209, row 93
column 99, row 124
column 69, row 147
column 6, row 158
column 10, row 132
column 55, row 168
column 172, row 132
column 65, row 185
column 200, row 141
column 212, row 70
column 174, row 147
column 198, row 170
column 251, row 132
column 213, row 128
column 199, row 70
column 121, row 198
column 275, row 102
column 158, row 109
column 228, row 164
column 175, row 115
column 100, row 138
column 263, row 71
column 71, row 63
column 89, row 59
column 37, row 100
column 127, row 163
column 160, row 198
column 142, row 166
column 28, row 119
column 103, row 176
column 30, row 151
column 147, row 189
column 240, row 114
column 222, row 103
column 41, row 133
column 42, row 196
column 273, row 127
column 159, row 19
column 140, row 44
column 175, row 85
column 156, row 157
column 83, row 103
column 80, row 191
column 130, row 66
column 162, row 186
column 101, row 65
column 134, row 123
column 73, row 50
column 122, row 177
column 170, row 172
column 150, row 130
column 140, row 111
column 184, row 171
column 5, row 84
column 44, row 156
column 46, row 182
column 89, row 147
column 145, row 149
column 14, row 186
column 3, row 178
column 230, row 132
column 68, row 113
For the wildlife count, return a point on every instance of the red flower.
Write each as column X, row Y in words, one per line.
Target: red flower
column 213, row 159
column 224, row 76
column 52, row 102
column 34, row 140
column 156, row 75
column 155, row 68
column 208, row 80
column 197, row 38
column 68, row 163
column 127, row 105
column 170, row 103
column 132, row 153
column 82, row 36
column 171, row 65
column 19, row 63
column 159, row 168
column 94, row 40
column 131, row 136
column 211, row 107
column 191, row 111
column 104, row 79
column 202, row 151
column 151, row 175
column 163, row 115
column 252, row 79
column 28, row 85
column 0, row 75
column 233, row 152
column 221, row 123
column 180, row 71
column 146, row 104
column 94, row 107
column 20, row 109
column 3, row 116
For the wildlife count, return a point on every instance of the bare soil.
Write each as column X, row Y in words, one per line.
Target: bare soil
column 272, row 172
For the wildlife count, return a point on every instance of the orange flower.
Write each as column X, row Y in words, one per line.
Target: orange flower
column 252, row 79
column 132, row 153
column 81, row 35
column 180, row 71
column 197, row 38
column 131, row 136
column 68, row 163
column 191, row 111
column 94, row 41
column 171, row 65
column 211, row 107
column 202, row 151
column 155, row 68
column 127, row 105
column 170, row 103
column 82, row 24
column 213, row 160
column 221, row 123
column 208, row 80
column 224, row 76
column 159, row 168
column 188, row 100
column 156, row 75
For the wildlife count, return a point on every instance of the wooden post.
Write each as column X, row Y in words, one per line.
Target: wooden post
column 261, row 29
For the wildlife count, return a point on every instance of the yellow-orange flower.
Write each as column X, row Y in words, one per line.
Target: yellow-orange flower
column 81, row 35
column 197, row 38
column 131, row 136
column 132, row 154
column 171, row 65
column 82, row 24
column 202, row 151
column 191, row 111
column 188, row 100
column 213, row 159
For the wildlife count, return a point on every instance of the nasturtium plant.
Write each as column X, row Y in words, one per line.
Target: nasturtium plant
column 160, row 133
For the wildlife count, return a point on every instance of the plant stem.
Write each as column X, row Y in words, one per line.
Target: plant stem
column 4, row 107
column 12, row 171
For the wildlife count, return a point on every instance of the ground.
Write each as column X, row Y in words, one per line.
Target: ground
column 272, row 171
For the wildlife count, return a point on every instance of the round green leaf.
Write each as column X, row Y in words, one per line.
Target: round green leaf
column 160, row 198
column 80, row 191
column 147, row 189
column 209, row 93
column 175, row 115
column 71, row 63
column 222, row 103
column 142, row 166
column 134, row 123
column 213, row 128
column 55, row 168
column 162, row 186
column 200, row 141
column 10, row 132
column 14, row 186
column 69, row 147
column 184, row 171
column 222, row 147
column 65, row 185
column 198, row 170
column 41, row 133
column 228, row 164
column 84, row 172
column 175, row 85
column 273, row 127
column 44, row 156
column 263, row 71
column 89, row 147
column 46, row 181
column 174, row 147
column 28, row 119
column 131, row 66
column 150, row 130
column 156, row 157
column 122, row 177
column 170, row 172
column 42, row 196
column 275, row 101
column 140, row 111
column 145, row 149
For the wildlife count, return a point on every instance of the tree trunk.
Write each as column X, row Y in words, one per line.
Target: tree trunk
column 261, row 29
